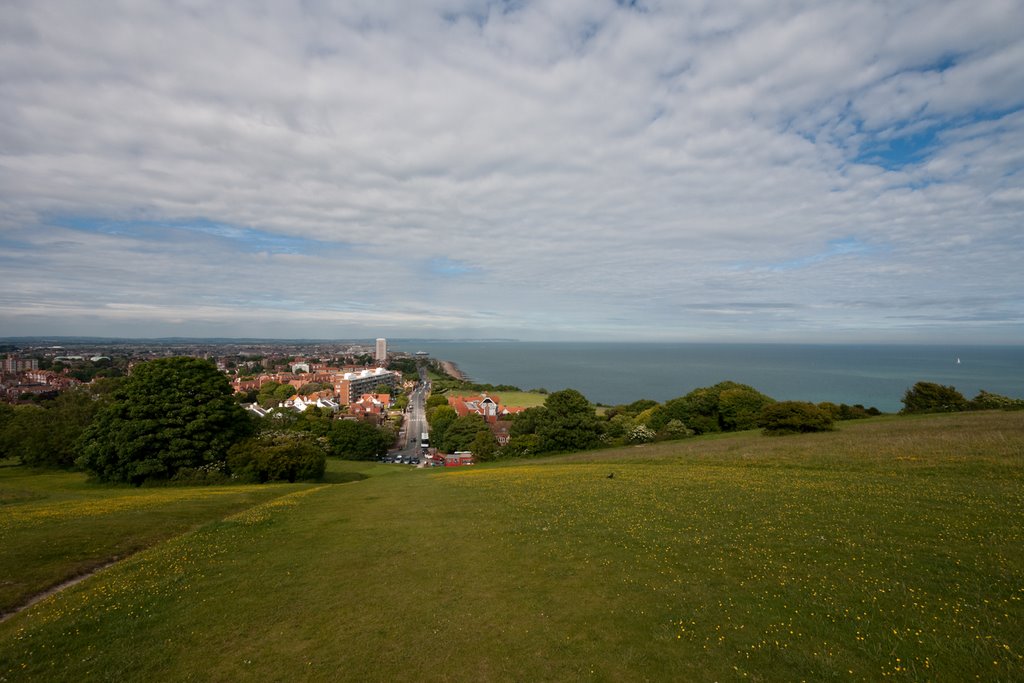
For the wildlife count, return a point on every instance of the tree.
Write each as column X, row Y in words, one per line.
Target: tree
column 436, row 400
column 566, row 422
column 313, row 420
column 46, row 435
column 726, row 406
column 988, row 401
column 740, row 407
column 674, row 429
column 484, row 446
column 6, row 416
column 794, row 417
column 277, row 456
column 272, row 393
column 521, row 446
column 168, row 414
column 631, row 409
column 439, row 418
column 460, row 434
column 619, row 425
column 929, row 397
column 356, row 440
column 24, row 435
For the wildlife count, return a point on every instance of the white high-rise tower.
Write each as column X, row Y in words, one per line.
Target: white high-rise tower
column 382, row 350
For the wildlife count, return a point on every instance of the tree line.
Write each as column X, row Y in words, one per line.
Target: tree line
column 176, row 419
column 569, row 422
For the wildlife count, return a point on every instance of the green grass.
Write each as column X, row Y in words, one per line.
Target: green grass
column 890, row 549
column 519, row 399
column 55, row 526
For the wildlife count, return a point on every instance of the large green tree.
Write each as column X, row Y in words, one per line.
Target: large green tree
column 566, row 422
column 460, row 434
column 440, row 418
column 726, row 406
column 46, row 435
column 357, row 440
column 168, row 414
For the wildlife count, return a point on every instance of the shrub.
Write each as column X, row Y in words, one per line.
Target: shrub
column 675, row 429
column 211, row 473
column 277, row 456
column 726, row 406
column 847, row 412
column 989, row 401
column 641, row 434
column 929, row 397
column 794, row 417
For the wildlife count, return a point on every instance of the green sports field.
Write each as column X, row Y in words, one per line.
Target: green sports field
column 892, row 549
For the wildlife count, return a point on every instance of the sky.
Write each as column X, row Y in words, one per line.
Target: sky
column 566, row 170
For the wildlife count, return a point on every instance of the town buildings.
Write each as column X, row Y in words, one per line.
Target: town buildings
column 496, row 416
column 350, row 385
column 13, row 364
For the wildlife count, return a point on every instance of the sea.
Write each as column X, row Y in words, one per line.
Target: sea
column 615, row 373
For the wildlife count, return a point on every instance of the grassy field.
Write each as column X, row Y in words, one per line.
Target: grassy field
column 55, row 526
column 890, row 549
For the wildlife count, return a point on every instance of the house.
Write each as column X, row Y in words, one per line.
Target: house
column 488, row 407
column 501, row 430
column 244, row 385
column 320, row 399
column 371, row 405
column 257, row 410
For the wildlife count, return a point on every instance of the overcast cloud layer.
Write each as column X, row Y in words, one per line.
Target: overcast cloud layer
column 574, row 169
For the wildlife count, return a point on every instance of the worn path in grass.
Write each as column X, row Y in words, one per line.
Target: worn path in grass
column 887, row 550
column 55, row 527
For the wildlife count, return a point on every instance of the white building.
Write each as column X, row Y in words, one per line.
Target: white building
column 351, row 385
column 382, row 350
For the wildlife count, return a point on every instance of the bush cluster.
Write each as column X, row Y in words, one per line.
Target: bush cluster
column 794, row 417
column 277, row 456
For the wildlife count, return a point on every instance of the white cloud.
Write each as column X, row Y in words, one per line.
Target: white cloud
column 576, row 168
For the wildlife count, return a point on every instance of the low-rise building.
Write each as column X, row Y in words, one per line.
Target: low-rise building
column 371, row 406
column 488, row 407
column 458, row 459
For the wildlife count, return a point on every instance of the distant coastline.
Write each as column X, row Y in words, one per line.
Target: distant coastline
column 452, row 369
column 617, row 373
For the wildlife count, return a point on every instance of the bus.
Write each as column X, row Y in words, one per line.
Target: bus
column 424, row 440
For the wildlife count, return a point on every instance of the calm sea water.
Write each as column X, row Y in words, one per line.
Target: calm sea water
column 613, row 373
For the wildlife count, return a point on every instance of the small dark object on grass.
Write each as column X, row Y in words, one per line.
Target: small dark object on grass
column 611, row 476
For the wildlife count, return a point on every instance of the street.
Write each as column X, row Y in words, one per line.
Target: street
column 416, row 418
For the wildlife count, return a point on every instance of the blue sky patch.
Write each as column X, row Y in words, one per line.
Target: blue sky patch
column 241, row 237
column 844, row 246
column 901, row 151
column 446, row 267
column 908, row 143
